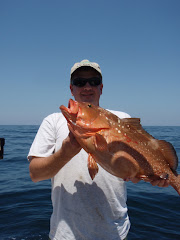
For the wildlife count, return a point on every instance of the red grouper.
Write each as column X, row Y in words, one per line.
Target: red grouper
column 121, row 146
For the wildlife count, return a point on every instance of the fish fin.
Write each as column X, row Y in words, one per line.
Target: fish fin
column 136, row 123
column 132, row 121
column 176, row 185
column 92, row 167
column 169, row 153
column 100, row 143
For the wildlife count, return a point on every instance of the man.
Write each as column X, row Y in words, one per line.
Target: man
column 82, row 208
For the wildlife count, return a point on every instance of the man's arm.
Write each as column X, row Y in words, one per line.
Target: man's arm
column 42, row 168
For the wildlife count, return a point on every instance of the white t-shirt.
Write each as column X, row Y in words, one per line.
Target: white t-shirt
column 82, row 208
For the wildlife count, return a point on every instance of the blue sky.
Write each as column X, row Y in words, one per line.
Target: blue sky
column 136, row 43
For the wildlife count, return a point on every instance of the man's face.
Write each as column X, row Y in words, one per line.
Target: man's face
column 86, row 93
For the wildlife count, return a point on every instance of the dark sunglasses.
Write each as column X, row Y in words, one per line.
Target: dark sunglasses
column 81, row 82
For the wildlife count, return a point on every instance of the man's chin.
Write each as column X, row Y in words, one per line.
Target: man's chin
column 88, row 98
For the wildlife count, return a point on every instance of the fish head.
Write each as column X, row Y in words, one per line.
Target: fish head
column 84, row 117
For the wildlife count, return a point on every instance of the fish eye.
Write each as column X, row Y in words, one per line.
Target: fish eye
column 89, row 105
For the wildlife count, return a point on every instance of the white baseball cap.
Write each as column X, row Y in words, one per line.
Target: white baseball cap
column 86, row 63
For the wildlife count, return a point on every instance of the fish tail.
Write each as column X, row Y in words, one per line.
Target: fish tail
column 176, row 184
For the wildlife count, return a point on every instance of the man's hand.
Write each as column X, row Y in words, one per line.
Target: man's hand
column 70, row 146
column 159, row 182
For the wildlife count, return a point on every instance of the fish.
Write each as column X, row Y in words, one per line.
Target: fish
column 121, row 146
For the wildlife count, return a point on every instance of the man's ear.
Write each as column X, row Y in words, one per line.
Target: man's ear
column 71, row 88
column 101, row 88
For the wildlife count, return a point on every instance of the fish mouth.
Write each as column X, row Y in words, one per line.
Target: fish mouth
column 70, row 112
column 77, row 124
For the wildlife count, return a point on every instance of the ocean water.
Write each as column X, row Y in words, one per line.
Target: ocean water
column 25, row 207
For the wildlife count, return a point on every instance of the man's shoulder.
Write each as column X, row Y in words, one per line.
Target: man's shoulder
column 55, row 118
column 120, row 114
column 56, row 115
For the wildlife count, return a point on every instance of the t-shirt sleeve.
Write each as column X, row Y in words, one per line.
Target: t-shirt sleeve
column 44, row 142
column 121, row 114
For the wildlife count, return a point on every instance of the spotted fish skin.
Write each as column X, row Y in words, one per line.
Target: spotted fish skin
column 121, row 146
